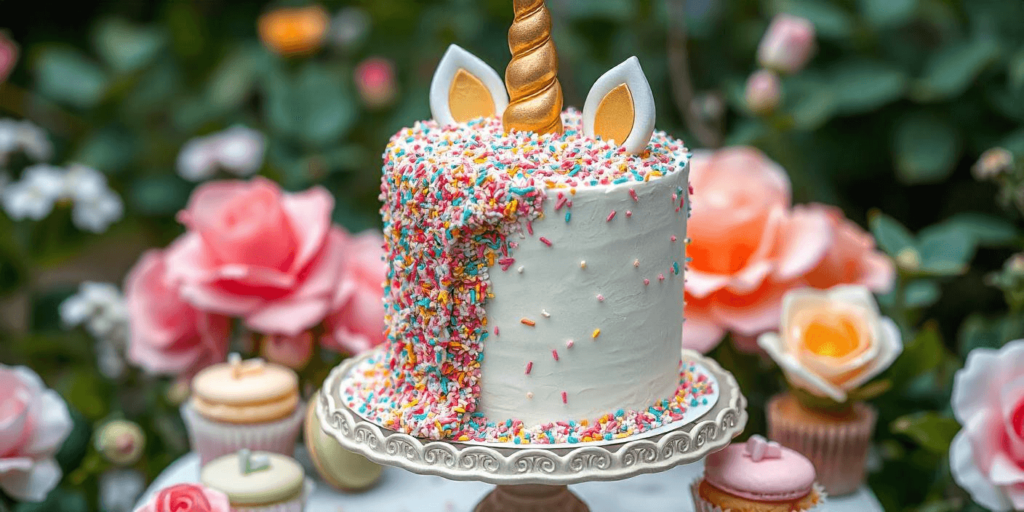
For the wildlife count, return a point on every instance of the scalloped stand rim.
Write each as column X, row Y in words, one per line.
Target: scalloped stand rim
column 692, row 414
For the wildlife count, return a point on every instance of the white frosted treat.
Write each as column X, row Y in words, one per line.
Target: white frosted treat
column 533, row 279
column 592, row 277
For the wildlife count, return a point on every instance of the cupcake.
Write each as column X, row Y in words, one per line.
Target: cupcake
column 340, row 468
column 830, row 344
column 243, row 404
column 757, row 476
column 258, row 481
column 191, row 497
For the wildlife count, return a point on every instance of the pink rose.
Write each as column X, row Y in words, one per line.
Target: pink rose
column 34, row 422
column 8, row 56
column 764, row 91
column 187, row 498
column 375, row 80
column 291, row 351
column 255, row 252
column 168, row 335
column 851, row 257
column 987, row 455
column 357, row 322
column 749, row 247
column 787, row 45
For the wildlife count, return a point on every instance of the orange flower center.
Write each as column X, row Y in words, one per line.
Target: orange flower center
column 834, row 335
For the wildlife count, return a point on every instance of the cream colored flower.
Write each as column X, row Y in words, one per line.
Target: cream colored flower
column 832, row 341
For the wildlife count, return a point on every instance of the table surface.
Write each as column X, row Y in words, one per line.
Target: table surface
column 402, row 491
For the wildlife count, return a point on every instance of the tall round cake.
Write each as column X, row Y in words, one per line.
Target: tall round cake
column 535, row 282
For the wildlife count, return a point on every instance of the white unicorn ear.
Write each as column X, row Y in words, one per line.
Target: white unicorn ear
column 465, row 87
column 620, row 107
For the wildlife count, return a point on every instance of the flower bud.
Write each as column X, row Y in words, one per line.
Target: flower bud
column 787, row 45
column 764, row 91
column 291, row 351
column 375, row 79
column 294, row 31
column 120, row 442
column 993, row 162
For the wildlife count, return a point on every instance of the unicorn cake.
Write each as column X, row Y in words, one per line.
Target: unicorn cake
column 535, row 258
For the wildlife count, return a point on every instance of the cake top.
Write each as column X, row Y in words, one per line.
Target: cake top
column 760, row 470
column 525, row 159
column 240, row 382
column 255, row 478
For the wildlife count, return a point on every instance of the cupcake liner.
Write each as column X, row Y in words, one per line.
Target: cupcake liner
column 212, row 439
column 836, row 445
column 296, row 505
column 702, row 505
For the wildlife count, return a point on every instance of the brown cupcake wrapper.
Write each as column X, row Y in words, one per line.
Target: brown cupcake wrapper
column 836, row 445
column 212, row 439
column 702, row 505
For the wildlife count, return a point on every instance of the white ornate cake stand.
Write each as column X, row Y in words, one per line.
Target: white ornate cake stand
column 535, row 477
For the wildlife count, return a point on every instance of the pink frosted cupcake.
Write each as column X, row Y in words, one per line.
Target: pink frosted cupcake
column 190, row 497
column 757, row 476
column 250, row 404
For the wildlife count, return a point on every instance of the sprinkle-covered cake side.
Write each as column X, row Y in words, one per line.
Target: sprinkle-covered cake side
column 455, row 200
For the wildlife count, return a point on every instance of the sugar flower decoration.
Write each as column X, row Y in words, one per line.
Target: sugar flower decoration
column 833, row 341
column 987, row 456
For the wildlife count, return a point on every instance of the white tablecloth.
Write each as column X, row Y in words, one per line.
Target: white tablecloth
column 402, row 491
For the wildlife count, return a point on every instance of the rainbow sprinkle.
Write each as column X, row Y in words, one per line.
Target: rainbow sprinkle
column 452, row 197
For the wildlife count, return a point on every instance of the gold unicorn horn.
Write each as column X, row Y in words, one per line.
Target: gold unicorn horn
column 531, row 77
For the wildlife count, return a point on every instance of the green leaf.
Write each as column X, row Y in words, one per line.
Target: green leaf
column 928, row 429
column 922, row 354
column 125, row 46
column 891, row 236
column 921, row 293
column 316, row 107
column 887, row 13
column 926, row 149
column 944, row 250
column 809, row 100
column 863, row 85
column 67, row 76
column 159, row 195
column 1014, row 142
column 979, row 332
column 108, row 149
column 950, row 71
column 233, row 80
column 76, row 446
column 830, row 21
column 985, row 230
column 608, row 9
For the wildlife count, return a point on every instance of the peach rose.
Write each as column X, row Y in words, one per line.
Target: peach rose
column 749, row 247
column 745, row 248
column 787, row 45
column 987, row 455
column 187, row 498
column 832, row 342
column 167, row 335
column 34, row 422
column 357, row 323
column 252, row 251
column 851, row 258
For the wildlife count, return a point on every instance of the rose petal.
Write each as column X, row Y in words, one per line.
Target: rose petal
column 968, row 475
column 806, row 236
column 700, row 331
column 890, row 346
column 751, row 313
column 51, row 425
column 310, row 215
column 796, row 373
column 972, row 381
column 32, row 484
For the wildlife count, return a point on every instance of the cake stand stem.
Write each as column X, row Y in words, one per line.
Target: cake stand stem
column 531, row 497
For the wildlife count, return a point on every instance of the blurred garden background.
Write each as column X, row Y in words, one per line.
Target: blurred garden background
column 131, row 105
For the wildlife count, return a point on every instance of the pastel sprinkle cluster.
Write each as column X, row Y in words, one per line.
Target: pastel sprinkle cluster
column 452, row 197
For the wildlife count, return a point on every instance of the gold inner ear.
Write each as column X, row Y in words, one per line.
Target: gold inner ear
column 468, row 98
column 615, row 113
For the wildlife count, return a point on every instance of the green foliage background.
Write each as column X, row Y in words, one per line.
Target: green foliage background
column 900, row 100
